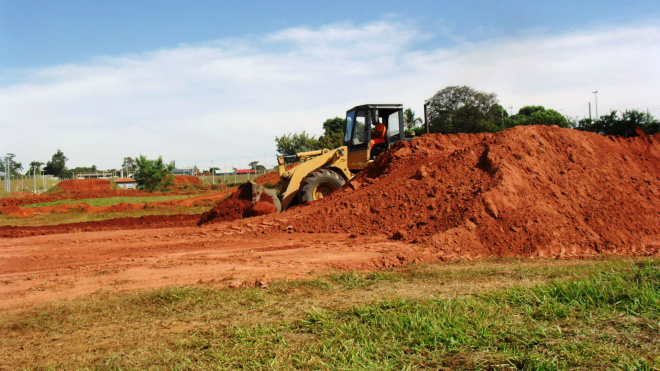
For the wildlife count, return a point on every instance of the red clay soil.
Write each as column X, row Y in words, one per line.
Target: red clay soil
column 143, row 222
column 532, row 191
column 186, row 180
column 85, row 185
column 238, row 206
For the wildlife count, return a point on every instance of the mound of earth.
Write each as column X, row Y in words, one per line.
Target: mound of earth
column 186, row 180
column 527, row 191
column 240, row 205
column 73, row 185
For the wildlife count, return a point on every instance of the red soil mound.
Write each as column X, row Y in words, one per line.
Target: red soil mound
column 527, row 191
column 238, row 206
column 186, row 180
column 85, row 185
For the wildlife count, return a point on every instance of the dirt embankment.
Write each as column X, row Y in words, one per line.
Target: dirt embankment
column 240, row 205
column 143, row 222
column 73, row 185
column 186, row 180
column 527, row 191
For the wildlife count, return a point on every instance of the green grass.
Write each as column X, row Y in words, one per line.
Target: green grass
column 26, row 184
column 526, row 315
column 112, row 200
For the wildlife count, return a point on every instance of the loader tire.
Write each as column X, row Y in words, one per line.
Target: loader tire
column 319, row 184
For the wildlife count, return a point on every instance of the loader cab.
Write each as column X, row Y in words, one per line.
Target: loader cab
column 360, row 124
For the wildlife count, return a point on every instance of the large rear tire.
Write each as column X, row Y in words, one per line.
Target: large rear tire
column 319, row 184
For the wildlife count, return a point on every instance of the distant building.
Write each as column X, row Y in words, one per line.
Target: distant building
column 188, row 171
column 221, row 172
column 102, row 174
column 126, row 183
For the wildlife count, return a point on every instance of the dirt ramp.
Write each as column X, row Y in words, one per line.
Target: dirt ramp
column 186, row 180
column 527, row 191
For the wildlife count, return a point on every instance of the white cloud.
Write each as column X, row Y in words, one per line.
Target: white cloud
column 226, row 100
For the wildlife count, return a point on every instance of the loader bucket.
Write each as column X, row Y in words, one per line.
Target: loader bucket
column 258, row 194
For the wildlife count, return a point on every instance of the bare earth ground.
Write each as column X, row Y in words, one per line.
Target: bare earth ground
column 52, row 267
column 536, row 191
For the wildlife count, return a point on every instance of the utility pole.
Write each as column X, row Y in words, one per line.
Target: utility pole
column 589, row 111
column 34, row 174
column 596, row 95
column 8, row 173
column 212, row 173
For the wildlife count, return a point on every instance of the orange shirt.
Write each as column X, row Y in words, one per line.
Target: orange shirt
column 378, row 135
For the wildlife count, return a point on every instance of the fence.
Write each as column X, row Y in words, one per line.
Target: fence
column 42, row 183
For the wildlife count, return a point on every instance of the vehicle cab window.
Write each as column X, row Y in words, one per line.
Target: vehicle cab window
column 350, row 118
column 360, row 132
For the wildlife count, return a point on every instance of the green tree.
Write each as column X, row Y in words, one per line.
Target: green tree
column 57, row 165
column 129, row 164
column 290, row 144
column 622, row 125
column 254, row 165
column 35, row 166
column 461, row 109
column 410, row 120
column 333, row 135
column 537, row 115
column 153, row 175
column 15, row 166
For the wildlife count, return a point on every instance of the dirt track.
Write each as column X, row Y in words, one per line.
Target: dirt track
column 44, row 268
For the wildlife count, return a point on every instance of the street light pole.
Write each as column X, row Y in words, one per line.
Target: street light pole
column 596, row 95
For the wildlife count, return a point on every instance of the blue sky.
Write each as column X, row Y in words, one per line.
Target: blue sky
column 194, row 80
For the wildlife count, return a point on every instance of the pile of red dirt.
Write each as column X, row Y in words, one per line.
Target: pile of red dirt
column 186, row 180
column 527, row 191
column 239, row 205
column 73, row 185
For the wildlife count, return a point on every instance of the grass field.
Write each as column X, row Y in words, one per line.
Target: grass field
column 494, row 314
column 113, row 200
column 26, row 184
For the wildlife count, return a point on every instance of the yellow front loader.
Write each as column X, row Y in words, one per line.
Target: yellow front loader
column 370, row 129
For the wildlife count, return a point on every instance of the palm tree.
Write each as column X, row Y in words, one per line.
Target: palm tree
column 409, row 119
column 34, row 166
